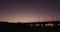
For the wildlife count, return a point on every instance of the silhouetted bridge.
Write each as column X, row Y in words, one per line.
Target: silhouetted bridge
column 43, row 24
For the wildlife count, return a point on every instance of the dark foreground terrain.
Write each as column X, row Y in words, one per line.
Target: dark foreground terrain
column 19, row 27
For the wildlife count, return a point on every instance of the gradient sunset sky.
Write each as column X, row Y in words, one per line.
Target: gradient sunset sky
column 29, row 10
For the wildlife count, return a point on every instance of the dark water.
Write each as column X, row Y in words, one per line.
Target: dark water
column 29, row 29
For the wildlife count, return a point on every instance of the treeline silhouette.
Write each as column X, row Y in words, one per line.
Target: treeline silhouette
column 24, row 27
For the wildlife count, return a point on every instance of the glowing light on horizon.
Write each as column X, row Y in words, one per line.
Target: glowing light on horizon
column 27, row 19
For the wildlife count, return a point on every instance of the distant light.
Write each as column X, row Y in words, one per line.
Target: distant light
column 58, row 24
column 37, row 25
column 49, row 25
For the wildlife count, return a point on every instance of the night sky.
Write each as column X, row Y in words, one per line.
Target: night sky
column 29, row 10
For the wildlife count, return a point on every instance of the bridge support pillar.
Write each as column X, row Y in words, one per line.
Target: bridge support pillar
column 43, row 25
column 33, row 25
column 40, row 25
column 55, row 24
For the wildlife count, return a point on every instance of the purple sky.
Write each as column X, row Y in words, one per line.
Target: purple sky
column 29, row 10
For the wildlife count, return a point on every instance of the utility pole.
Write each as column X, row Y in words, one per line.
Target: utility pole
column 38, row 19
column 53, row 18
